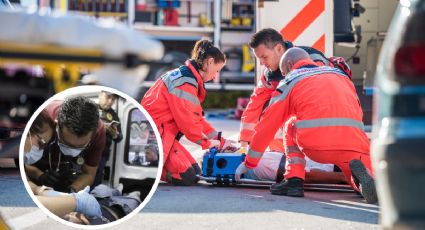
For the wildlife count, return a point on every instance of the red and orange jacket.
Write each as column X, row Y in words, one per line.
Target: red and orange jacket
column 266, row 86
column 174, row 102
column 262, row 94
column 257, row 103
column 328, row 113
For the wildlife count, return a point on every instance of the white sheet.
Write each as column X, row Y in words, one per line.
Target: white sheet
column 269, row 164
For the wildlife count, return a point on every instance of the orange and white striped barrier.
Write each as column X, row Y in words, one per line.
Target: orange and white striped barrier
column 303, row 22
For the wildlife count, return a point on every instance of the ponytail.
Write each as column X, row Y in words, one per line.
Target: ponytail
column 205, row 49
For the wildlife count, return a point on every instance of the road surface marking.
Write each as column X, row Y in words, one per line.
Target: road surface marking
column 26, row 220
column 348, row 206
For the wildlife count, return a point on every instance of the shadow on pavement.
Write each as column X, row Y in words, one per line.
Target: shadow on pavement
column 203, row 198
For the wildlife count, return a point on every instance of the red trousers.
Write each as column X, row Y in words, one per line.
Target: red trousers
column 180, row 167
column 295, row 166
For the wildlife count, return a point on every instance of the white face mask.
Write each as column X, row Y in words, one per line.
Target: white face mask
column 34, row 155
column 68, row 151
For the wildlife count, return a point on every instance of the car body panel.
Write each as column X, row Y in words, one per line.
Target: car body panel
column 398, row 137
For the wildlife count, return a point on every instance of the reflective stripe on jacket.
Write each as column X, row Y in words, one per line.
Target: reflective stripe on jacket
column 263, row 92
column 259, row 99
column 174, row 102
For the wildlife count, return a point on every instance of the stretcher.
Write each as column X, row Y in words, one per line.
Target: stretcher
column 219, row 169
column 69, row 46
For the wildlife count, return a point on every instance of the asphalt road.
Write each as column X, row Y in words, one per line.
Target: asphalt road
column 208, row 207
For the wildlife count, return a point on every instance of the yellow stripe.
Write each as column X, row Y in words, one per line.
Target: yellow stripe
column 48, row 49
column 63, row 6
column 47, row 63
column 3, row 225
column 57, row 76
column 103, row 14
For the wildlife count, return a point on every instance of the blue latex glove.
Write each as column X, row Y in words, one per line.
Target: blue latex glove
column 242, row 169
column 86, row 203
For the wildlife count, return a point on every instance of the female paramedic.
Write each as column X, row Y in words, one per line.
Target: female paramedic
column 39, row 135
column 174, row 102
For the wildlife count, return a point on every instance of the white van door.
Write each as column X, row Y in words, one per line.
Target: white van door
column 136, row 157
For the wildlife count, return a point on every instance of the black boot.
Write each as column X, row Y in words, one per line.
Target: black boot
column 291, row 187
column 364, row 181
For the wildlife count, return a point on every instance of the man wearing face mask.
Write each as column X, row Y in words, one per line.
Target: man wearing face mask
column 40, row 133
column 71, row 157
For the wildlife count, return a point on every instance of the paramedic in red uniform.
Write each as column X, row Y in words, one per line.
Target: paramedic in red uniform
column 323, row 121
column 174, row 102
column 269, row 46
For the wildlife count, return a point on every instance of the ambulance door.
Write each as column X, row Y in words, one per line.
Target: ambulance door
column 133, row 166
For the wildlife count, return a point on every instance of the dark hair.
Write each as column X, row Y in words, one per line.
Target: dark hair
column 205, row 49
column 268, row 37
column 79, row 114
column 42, row 119
column 107, row 93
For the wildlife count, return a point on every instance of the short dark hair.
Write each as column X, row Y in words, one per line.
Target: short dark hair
column 42, row 119
column 107, row 93
column 204, row 49
column 79, row 114
column 268, row 37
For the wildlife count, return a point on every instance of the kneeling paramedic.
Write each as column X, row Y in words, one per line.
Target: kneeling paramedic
column 174, row 102
column 268, row 45
column 323, row 121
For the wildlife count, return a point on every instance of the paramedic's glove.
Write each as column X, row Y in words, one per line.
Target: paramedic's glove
column 86, row 203
column 214, row 143
column 244, row 144
column 49, row 179
column 226, row 143
column 242, row 169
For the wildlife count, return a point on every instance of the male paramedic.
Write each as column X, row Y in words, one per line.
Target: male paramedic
column 70, row 159
column 269, row 46
column 323, row 121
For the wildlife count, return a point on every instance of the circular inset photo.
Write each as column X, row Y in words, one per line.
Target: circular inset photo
column 90, row 157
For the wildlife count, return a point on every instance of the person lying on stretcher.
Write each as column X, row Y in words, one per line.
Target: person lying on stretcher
column 272, row 168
